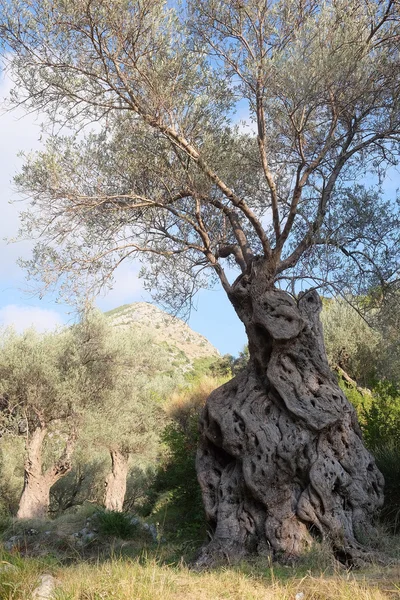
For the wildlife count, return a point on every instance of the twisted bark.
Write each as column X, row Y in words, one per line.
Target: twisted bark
column 281, row 459
column 35, row 498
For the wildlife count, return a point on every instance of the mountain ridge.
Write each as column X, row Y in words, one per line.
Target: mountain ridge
column 164, row 329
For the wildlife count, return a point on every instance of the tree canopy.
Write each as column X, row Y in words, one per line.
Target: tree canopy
column 130, row 416
column 46, row 382
column 168, row 172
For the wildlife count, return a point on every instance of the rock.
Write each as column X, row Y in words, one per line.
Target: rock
column 154, row 532
column 12, row 542
column 4, row 567
column 299, row 596
column 46, row 588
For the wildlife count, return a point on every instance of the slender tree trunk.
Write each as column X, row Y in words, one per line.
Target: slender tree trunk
column 281, row 459
column 35, row 498
column 116, row 481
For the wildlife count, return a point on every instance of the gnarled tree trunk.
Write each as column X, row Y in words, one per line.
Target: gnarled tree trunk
column 281, row 458
column 35, row 498
column 116, row 481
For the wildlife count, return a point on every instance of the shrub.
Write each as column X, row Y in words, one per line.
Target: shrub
column 84, row 482
column 379, row 415
column 139, row 481
column 382, row 418
column 388, row 460
column 360, row 399
column 175, row 498
column 350, row 343
column 116, row 524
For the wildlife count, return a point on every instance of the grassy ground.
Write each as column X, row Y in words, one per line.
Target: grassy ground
column 138, row 569
column 150, row 579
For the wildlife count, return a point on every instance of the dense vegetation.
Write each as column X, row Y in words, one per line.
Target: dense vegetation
column 149, row 413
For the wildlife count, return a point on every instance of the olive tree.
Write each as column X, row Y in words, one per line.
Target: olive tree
column 387, row 322
column 351, row 343
column 364, row 349
column 47, row 379
column 168, row 175
column 128, row 422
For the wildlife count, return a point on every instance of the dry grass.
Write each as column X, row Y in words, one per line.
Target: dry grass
column 124, row 579
column 187, row 403
column 131, row 574
column 163, row 583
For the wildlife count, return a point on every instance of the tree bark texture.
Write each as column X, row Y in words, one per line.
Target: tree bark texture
column 35, row 498
column 281, row 459
column 116, row 481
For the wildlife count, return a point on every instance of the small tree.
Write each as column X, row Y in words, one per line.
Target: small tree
column 387, row 322
column 368, row 351
column 351, row 343
column 170, row 177
column 48, row 379
column 129, row 420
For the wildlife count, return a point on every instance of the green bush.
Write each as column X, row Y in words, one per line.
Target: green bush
column 349, row 341
column 225, row 367
column 176, row 486
column 382, row 419
column 175, row 497
column 361, row 401
column 208, row 367
column 387, row 458
column 379, row 416
column 115, row 524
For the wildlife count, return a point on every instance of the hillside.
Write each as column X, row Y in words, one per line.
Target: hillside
column 185, row 344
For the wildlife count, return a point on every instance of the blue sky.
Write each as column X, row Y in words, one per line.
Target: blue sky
column 213, row 316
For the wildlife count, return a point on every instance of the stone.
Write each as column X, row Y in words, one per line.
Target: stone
column 46, row 588
column 7, row 567
column 12, row 543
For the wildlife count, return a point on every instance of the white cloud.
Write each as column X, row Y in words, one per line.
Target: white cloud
column 23, row 317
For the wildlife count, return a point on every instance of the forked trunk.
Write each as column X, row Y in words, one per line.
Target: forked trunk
column 281, row 459
column 35, row 498
column 116, row 481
